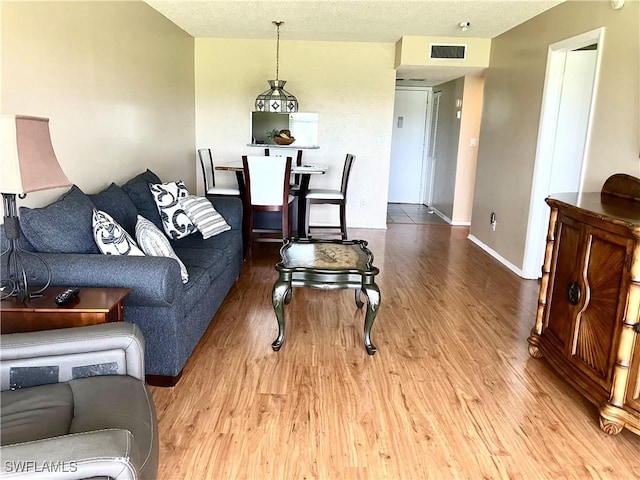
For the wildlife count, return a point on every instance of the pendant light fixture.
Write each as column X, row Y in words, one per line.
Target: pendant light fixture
column 276, row 99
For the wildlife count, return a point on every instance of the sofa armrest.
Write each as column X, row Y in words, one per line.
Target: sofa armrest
column 153, row 281
column 230, row 208
column 101, row 453
column 49, row 356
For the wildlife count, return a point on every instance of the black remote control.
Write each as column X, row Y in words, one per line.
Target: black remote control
column 67, row 295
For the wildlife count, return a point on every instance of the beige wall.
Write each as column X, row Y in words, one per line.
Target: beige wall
column 455, row 169
column 116, row 80
column 471, row 112
column 448, row 137
column 512, row 101
column 350, row 85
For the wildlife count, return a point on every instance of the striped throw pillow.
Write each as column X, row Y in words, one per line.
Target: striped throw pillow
column 155, row 244
column 204, row 216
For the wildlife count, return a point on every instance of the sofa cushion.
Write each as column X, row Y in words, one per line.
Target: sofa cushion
column 61, row 227
column 138, row 190
column 117, row 203
column 111, row 238
column 230, row 241
column 34, row 413
column 199, row 287
column 175, row 221
column 153, row 242
column 214, row 254
column 204, row 216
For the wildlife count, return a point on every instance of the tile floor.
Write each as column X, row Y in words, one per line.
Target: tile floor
column 412, row 213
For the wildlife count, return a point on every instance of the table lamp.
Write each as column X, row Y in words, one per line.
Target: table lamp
column 28, row 164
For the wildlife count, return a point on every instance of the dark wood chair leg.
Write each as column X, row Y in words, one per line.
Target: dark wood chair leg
column 306, row 217
column 286, row 211
column 343, row 220
column 248, row 229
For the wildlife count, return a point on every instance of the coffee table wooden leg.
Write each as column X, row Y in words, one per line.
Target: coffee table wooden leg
column 372, row 292
column 281, row 293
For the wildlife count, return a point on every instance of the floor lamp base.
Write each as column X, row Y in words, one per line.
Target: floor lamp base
column 15, row 278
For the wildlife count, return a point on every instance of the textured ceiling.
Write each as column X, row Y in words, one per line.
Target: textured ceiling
column 350, row 20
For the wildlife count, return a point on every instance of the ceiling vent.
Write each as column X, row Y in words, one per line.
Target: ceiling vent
column 440, row 51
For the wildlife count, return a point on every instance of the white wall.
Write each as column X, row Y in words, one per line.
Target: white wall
column 350, row 85
column 116, row 80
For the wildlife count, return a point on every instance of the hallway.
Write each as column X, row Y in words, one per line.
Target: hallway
column 412, row 213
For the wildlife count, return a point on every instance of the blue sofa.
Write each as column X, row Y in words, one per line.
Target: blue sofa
column 171, row 315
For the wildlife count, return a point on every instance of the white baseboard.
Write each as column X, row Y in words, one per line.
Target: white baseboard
column 441, row 215
column 497, row 256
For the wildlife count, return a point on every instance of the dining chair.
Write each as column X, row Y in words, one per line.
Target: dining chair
column 210, row 189
column 332, row 197
column 267, row 190
column 295, row 184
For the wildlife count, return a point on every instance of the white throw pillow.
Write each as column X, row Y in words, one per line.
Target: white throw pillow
column 204, row 216
column 110, row 237
column 154, row 243
column 175, row 221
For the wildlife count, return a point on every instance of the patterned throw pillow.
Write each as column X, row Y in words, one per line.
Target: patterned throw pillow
column 175, row 221
column 111, row 238
column 154, row 243
column 204, row 216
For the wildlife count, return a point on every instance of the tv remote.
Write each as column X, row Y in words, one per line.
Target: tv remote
column 67, row 295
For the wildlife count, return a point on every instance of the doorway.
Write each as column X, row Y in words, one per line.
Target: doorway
column 563, row 135
column 408, row 156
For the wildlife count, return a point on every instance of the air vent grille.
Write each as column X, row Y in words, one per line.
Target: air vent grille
column 448, row 52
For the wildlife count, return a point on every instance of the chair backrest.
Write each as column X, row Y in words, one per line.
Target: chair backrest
column 296, row 177
column 206, row 157
column 348, row 163
column 267, row 180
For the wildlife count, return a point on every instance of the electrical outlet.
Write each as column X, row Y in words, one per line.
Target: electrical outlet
column 362, row 204
column 493, row 221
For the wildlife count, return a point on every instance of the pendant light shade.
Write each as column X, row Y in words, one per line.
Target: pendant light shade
column 276, row 99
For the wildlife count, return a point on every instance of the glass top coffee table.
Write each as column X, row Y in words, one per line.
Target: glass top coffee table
column 327, row 265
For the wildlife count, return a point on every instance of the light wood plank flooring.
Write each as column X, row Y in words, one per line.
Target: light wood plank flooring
column 451, row 393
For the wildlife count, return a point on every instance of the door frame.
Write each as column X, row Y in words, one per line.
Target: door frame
column 430, row 162
column 538, row 210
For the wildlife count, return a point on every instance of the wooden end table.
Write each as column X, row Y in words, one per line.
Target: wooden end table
column 327, row 265
column 91, row 306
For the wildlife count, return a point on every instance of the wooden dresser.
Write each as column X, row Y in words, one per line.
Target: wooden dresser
column 588, row 316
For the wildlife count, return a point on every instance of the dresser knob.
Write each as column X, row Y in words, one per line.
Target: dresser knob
column 573, row 293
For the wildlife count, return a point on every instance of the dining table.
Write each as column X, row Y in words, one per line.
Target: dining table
column 304, row 172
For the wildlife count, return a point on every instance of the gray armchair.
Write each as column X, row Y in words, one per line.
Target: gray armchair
column 75, row 406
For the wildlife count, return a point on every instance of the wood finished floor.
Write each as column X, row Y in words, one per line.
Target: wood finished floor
column 451, row 393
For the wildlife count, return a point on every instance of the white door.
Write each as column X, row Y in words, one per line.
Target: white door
column 563, row 136
column 407, row 146
column 573, row 119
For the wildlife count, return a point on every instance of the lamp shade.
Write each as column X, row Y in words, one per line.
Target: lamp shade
column 276, row 99
column 28, row 162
